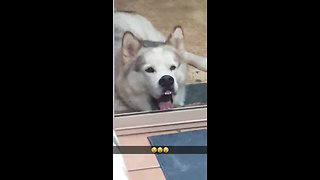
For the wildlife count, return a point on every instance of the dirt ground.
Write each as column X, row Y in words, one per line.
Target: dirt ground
column 165, row 14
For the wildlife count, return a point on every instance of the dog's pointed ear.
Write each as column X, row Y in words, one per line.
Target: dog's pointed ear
column 130, row 46
column 176, row 38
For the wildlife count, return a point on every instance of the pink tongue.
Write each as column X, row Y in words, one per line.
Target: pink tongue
column 165, row 105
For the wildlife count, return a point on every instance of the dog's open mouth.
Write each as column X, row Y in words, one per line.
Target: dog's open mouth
column 165, row 101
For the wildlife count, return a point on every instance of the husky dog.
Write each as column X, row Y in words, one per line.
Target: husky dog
column 150, row 68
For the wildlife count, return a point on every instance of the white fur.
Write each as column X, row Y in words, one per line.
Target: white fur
column 133, row 89
column 161, row 61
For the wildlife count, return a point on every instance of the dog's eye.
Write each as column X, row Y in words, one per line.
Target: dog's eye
column 149, row 70
column 172, row 68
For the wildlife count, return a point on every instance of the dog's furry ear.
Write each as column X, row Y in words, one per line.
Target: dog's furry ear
column 176, row 38
column 130, row 46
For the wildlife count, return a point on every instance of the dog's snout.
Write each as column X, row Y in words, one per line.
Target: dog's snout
column 166, row 81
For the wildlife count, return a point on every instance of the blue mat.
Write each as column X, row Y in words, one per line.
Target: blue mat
column 196, row 94
column 182, row 166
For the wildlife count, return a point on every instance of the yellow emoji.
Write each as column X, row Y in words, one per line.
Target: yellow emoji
column 154, row 150
column 159, row 149
column 165, row 150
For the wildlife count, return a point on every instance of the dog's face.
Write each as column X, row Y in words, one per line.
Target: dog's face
column 159, row 67
column 164, row 73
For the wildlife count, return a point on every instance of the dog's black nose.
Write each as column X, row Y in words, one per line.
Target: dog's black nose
column 166, row 81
